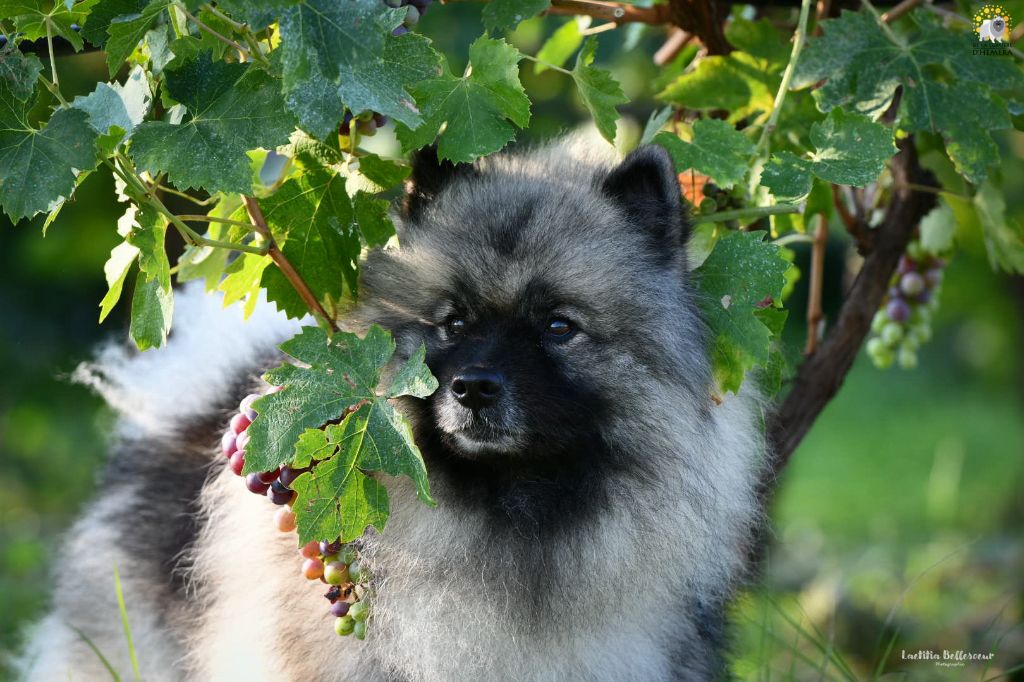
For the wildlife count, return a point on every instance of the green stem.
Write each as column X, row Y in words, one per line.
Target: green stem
column 246, row 54
column 215, row 219
column 794, row 238
column 54, row 90
column 184, row 195
column 49, row 47
column 238, row 26
column 799, row 38
column 744, row 213
column 547, row 65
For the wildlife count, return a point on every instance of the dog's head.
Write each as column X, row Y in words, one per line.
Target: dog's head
column 551, row 295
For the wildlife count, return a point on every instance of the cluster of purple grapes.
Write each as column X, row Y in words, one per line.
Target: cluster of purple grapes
column 333, row 563
column 415, row 10
column 904, row 321
column 366, row 123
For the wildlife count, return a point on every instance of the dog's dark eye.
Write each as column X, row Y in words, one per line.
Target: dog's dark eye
column 456, row 324
column 560, row 328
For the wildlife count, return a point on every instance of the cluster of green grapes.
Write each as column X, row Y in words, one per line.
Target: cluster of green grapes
column 716, row 199
column 333, row 563
column 904, row 321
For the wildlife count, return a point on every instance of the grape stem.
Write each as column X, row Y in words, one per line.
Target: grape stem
column 814, row 313
column 259, row 223
column 246, row 55
column 198, row 217
column 49, row 47
column 54, row 90
column 799, row 38
column 745, row 213
column 547, row 65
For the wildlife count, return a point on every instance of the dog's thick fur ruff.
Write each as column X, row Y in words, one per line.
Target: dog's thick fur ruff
column 618, row 566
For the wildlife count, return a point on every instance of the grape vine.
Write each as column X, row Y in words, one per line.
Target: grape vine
column 259, row 114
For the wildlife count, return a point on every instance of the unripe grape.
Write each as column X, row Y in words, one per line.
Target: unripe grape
column 344, row 625
column 359, row 630
column 312, row 569
column 229, row 443
column 310, row 550
column 912, row 284
column 412, row 16
column 892, row 333
column 339, row 608
column 354, row 570
column 359, row 611
column 907, row 358
column 906, row 265
column 284, row 519
column 240, row 422
column 915, row 251
column 366, row 128
column 923, row 332
column 910, row 342
column 237, row 462
column 897, row 310
column 875, row 346
column 934, row 276
column 255, row 485
column 336, row 573
column 245, row 407
column 708, row 205
column 393, row 3
column 879, row 321
column 884, row 358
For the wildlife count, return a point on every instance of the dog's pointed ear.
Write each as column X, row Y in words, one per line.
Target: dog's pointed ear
column 430, row 175
column 646, row 187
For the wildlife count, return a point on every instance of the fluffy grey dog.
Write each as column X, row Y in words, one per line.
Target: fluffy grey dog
column 595, row 506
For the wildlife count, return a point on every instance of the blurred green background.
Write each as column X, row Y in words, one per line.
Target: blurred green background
column 898, row 524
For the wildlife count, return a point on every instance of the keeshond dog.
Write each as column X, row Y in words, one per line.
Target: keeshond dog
column 595, row 505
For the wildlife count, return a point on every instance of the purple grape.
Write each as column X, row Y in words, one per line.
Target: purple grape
column 924, row 296
column 278, row 494
column 288, row 475
column 898, row 310
column 379, row 119
column 255, row 485
column 330, row 548
column 242, row 439
column 400, row 30
column 911, row 283
column 334, row 594
column 906, row 265
column 339, row 608
column 245, row 407
column 933, row 277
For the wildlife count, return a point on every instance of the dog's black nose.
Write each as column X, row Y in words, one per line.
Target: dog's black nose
column 477, row 387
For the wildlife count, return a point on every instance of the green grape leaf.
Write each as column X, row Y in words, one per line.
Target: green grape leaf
column 233, row 108
column 502, row 15
column 600, row 92
column 339, row 377
column 343, row 52
column 146, row 232
column 381, row 172
column 38, row 167
column 18, row 72
column 126, row 31
column 337, row 499
column 865, row 65
column 759, row 39
column 787, row 177
column 35, row 23
column 479, row 111
column 94, row 29
column 557, row 49
column 115, row 270
column 242, row 281
column 1004, row 238
column 311, row 219
column 257, row 13
column 372, row 217
column 208, row 263
column 850, row 149
column 742, row 275
column 115, row 105
column 739, row 83
column 152, row 310
column 718, row 150
column 938, row 230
